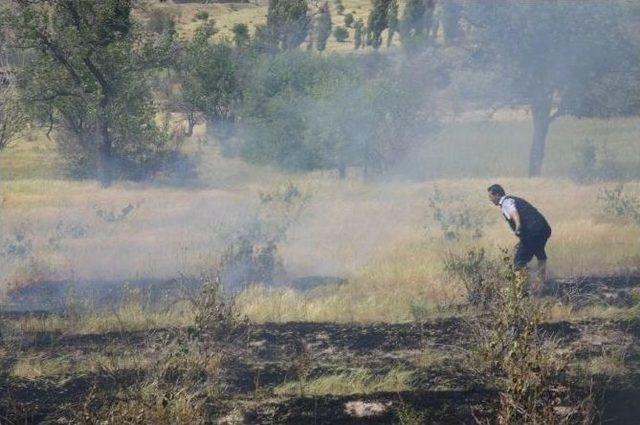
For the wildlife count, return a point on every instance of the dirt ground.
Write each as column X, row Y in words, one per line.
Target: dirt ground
column 261, row 358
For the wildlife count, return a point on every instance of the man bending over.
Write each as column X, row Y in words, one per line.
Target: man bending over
column 529, row 225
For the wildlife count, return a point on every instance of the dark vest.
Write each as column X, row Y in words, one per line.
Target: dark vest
column 534, row 225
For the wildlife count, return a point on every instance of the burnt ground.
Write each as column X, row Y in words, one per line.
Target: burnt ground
column 259, row 358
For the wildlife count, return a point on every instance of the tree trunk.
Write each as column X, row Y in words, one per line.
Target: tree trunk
column 540, row 112
column 104, row 147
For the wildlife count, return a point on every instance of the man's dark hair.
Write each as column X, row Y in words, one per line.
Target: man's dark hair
column 496, row 189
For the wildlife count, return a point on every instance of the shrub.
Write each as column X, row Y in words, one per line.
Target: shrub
column 348, row 20
column 252, row 253
column 240, row 34
column 216, row 313
column 476, row 272
column 202, row 15
column 618, row 204
column 161, row 21
column 340, row 34
column 525, row 366
column 593, row 164
column 456, row 220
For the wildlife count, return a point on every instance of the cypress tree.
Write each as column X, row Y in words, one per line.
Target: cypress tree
column 392, row 20
column 323, row 27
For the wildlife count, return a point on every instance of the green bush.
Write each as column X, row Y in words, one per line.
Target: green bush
column 348, row 20
column 340, row 34
column 618, row 204
column 202, row 15
column 160, row 21
column 592, row 163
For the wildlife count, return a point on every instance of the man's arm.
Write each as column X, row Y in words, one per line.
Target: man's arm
column 516, row 219
column 511, row 212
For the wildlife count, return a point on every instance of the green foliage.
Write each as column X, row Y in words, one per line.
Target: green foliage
column 340, row 34
column 252, row 252
column 303, row 112
column 323, row 27
column 477, row 274
column 202, row 15
column 416, row 24
column 615, row 202
column 87, row 80
column 357, row 35
column 240, row 35
column 457, row 220
column 392, row 19
column 210, row 82
column 216, row 313
column 554, row 57
column 348, row 20
column 593, row 164
column 161, row 21
column 12, row 116
column 377, row 22
column 409, row 416
column 287, row 23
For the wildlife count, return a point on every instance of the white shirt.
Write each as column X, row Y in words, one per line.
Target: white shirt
column 508, row 206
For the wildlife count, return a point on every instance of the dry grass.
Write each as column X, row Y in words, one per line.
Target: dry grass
column 358, row 381
column 381, row 237
column 38, row 366
column 129, row 317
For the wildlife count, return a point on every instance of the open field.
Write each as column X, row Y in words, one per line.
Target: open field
column 362, row 325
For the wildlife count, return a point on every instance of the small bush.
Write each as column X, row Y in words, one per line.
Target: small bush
column 340, row 34
column 240, row 34
column 618, row 204
column 216, row 312
column 477, row 273
column 593, row 164
column 456, row 220
column 525, row 366
column 161, row 21
column 202, row 15
column 348, row 20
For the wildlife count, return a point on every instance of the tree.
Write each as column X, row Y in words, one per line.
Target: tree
column 240, row 35
column 377, row 22
column 287, row 23
column 340, row 34
column 348, row 20
column 304, row 112
column 416, row 24
column 210, row 82
column 451, row 19
column 86, row 80
column 323, row 27
column 12, row 118
column 357, row 34
column 551, row 55
column 392, row 20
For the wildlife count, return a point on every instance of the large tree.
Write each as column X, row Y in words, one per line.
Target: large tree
column 12, row 118
column 304, row 112
column 85, row 80
column 323, row 26
column 551, row 55
column 377, row 22
column 288, row 23
column 210, row 82
column 417, row 23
